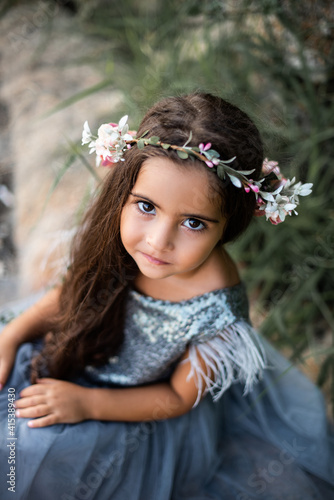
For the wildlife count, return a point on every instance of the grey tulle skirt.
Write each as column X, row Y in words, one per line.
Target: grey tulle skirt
column 274, row 443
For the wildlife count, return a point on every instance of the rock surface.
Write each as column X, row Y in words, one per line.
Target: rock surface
column 43, row 61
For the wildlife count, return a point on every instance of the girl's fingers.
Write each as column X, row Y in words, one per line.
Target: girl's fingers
column 30, row 401
column 42, row 422
column 38, row 387
column 32, row 390
column 40, row 410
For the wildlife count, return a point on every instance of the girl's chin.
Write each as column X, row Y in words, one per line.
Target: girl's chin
column 151, row 267
column 154, row 273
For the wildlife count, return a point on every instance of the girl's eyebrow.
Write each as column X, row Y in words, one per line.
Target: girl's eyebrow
column 192, row 216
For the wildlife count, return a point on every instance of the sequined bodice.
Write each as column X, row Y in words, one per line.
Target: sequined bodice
column 157, row 333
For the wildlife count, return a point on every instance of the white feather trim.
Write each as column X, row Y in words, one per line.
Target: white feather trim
column 233, row 355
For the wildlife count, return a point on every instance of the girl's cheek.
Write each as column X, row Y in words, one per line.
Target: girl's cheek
column 126, row 221
column 131, row 230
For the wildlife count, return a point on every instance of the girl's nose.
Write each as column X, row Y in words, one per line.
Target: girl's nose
column 160, row 237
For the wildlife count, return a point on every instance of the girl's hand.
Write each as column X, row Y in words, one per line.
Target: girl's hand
column 52, row 401
column 8, row 350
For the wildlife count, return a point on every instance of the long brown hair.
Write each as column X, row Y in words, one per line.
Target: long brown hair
column 89, row 327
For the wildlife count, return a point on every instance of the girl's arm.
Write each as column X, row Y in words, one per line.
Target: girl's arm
column 31, row 324
column 152, row 402
column 53, row 401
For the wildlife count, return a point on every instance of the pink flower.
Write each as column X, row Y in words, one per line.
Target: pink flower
column 270, row 166
column 275, row 221
column 204, row 147
column 107, row 162
column 252, row 187
column 259, row 212
column 212, row 162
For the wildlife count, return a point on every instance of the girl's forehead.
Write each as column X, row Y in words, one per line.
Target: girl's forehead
column 174, row 183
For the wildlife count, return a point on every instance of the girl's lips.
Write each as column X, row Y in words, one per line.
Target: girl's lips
column 153, row 260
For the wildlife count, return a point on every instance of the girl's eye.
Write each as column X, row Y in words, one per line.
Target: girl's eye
column 194, row 224
column 145, row 207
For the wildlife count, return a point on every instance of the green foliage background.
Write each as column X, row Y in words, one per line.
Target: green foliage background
column 274, row 59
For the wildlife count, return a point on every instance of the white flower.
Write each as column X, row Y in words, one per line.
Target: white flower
column 123, row 127
column 302, row 189
column 282, row 202
column 86, row 134
column 110, row 142
column 270, row 196
column 299, row 189
column 279, row 208
column 107, row 135
column 97, row 161
column 92, row 147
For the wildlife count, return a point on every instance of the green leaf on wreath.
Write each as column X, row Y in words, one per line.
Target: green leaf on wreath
column 182, row 154
column 154, row 140
column 220, row 171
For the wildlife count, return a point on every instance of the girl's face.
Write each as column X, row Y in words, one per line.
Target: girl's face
column 171, row 223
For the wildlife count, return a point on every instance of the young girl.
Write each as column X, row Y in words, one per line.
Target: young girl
column 140, row 377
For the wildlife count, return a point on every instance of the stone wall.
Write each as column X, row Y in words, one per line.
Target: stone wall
column 43, row 61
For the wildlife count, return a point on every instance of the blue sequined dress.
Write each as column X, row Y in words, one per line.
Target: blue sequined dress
column 259, row 433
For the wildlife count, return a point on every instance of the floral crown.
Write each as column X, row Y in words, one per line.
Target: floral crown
column 276, row 196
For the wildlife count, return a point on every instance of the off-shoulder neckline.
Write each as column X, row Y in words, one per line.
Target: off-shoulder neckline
column 226, row 290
